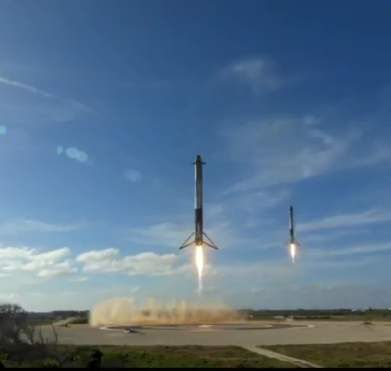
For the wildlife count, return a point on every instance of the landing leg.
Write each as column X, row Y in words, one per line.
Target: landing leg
column 210, row 243
column 187, row 243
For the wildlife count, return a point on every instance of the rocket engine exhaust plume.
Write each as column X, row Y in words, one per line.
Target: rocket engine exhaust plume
column 293, row 252
column 199, row 259
column 125, row 311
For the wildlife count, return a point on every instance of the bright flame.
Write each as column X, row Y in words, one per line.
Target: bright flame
column 200, row 265
column 293, row 252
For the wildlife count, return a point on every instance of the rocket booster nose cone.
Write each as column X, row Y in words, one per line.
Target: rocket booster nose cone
column 198, row 158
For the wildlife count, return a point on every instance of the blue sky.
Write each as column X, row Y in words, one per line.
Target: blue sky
column 103, row 107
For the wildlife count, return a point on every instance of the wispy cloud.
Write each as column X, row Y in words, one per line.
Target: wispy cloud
column 161, row 234
column 281, row 150
column 173, row 234
column 25, row 225
column 132, row 175
column 259, row 201
column 343, row 251
column 284, row 151
column 330, row 235
column 379, row 153
column 49, row 107
column 259, row 75
column 28, row 88
column 34, row 90
column 346, row 220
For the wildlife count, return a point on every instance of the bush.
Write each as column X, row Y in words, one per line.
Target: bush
column 22, row 342
column 79, row 321
column 45, row 364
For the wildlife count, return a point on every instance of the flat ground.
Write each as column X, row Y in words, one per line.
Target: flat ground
column 156, row 357
column 321, row 333
column 187, row 356
column 373, row 355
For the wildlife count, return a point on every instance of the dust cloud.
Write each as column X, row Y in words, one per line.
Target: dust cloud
column 125, row 311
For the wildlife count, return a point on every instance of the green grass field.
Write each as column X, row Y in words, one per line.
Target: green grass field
column 166, row 356
column 40, row 322
column 188, row 356
column 360, row 355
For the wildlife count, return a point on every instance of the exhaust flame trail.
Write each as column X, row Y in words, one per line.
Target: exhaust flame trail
column 200, row 265
column 293, row 252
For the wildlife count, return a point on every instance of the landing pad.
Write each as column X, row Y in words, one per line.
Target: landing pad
column 213, row 327
column 240, row 334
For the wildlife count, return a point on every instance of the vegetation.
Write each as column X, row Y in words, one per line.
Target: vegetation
column 79, row 321
column 363, row 355
column 155, row 357
column 21, row 340
column 368, row 315
column 186, row 356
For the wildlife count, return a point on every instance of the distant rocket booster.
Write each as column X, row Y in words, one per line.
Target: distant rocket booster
column 292, row 227
column 199, row 233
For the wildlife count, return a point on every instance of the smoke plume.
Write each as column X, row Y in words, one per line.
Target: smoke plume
column 125, row 311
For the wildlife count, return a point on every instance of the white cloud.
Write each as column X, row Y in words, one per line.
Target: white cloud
column 15, row 252
column 43, row 264
column 345, row 220
column 79, row 279
column 52, row 255
column 57, row 269
column 258, row 74
column 225, row 281
column 133, row 175
column 24, row 225
column 147, row 263
column 97, row 256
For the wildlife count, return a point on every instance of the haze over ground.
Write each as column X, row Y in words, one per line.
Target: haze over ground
column 103, row 107
column 126, row 311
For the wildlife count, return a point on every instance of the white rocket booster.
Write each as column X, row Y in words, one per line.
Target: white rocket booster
column 199, row 233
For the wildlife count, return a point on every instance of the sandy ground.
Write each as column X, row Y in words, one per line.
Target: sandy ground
column 318, row 332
